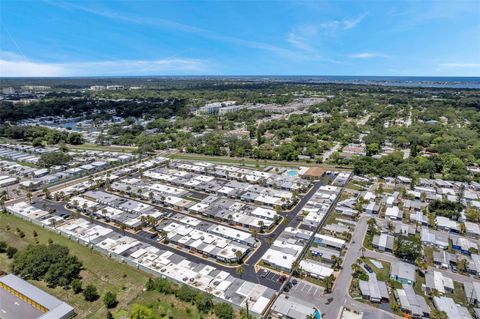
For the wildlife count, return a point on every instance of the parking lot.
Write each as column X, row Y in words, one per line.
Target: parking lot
column 306, row 291
column 271, row 276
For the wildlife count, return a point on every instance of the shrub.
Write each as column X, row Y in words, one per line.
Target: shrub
column 110, row 299
column 90, row 293
column 11, row 251
column 224, row 311
column 76, row 286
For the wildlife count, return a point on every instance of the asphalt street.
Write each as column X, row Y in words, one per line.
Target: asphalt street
column 249, row 267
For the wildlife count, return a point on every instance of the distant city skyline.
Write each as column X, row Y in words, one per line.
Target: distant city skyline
column 134, row 38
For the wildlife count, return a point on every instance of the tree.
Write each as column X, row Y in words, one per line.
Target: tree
column 462, row 265
column 224, row 311
column 2, row 204
column 52, row 263
column 296, row 269
column 110, row 299
column 445, row 208
column 3, row 246
column 240, row 271
column 76, row 286
column 186, row 293
column 150, row 285
column 239, row 255
column 138, row 311
column 437, row 314
column 261, row 224
column 408, row 248
column 90, row 293
column 46, row 192
column 472, row 214
column 29, row 197
column 11, row 251
column 395, row 307
column 54, row 158
column 204, row 302
column 328, row 281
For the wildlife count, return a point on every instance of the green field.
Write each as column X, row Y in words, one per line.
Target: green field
column 112, row 148
column 248, row 161
column 105, row 273
column 382, row 274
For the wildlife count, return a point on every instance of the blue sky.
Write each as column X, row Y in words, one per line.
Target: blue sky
column 88, row 38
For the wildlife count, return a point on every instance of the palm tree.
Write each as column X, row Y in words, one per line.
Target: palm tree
column 107, row 183
column 29, row 196
column 355, row 269
column 329, row 282
column 163, row 235
column 296, row 269
column 240, row 271
column 46, row 192
column 2, row 203
column 261, row 224
column 239, row 255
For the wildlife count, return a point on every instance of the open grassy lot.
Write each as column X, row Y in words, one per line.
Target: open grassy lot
column 249, row 162
column 168, row 305
column 112, row 148
column 105, row 273
column 383, row 274
column 458, row 294
column 428, row 252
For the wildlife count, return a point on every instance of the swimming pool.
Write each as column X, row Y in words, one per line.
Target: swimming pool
column 317, row 314
column 292, row 172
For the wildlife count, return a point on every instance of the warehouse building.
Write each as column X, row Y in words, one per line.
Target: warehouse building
column 20, row 299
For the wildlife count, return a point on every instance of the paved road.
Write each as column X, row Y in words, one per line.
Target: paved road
column 249, row 273
column 392, row 259
column 340, row 290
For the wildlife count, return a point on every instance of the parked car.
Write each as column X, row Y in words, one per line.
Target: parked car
column 368, row 268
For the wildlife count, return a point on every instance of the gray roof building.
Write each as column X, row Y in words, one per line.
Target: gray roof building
column 49, row 307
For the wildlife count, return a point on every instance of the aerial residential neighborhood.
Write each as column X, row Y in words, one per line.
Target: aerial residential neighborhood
column 240, row 159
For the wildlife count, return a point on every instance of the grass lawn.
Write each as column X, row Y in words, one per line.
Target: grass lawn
column 249, row 161
column 315, row 281
column 428, row 252
column 105, row 273
column 112, row 148
column 331, row 218
column 167, row 304
column 419, row 281
column 458, row 295
column 357, row 186
column 382, row 274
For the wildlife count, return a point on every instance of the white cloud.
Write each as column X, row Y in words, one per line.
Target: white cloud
column 299, row 42
column 161, row 23
column 352, row 23
column 345, row 24
column 12, row 65
column 460, row 65
column 367, row 55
